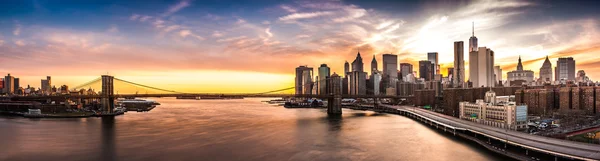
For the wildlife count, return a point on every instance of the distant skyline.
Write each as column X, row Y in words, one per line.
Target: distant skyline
column 247, row 46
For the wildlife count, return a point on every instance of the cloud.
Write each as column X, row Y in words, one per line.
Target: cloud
column 268, row 32
column 302, row 36
column 17, row 30
column 265, row 22
column 145, row 18
column 113, row 29
column 186, row 33
column 1, row 42
column 134, row 17
column 177, row 7
column 171, row 28
column 306, row 15
column 217, row 34
column 20, row 42
column 288, row 9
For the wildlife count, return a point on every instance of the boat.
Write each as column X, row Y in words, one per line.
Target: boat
column 137, row 104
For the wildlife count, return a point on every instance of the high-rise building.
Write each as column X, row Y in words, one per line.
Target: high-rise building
column 376, row 82
column 303, row 80
column 565, row 69
column 426, row 70
column 17, row 85
column 433, row 58
column 473, row 41
column 390, row 70
column 458, row 77
column 46, row 85
column 405, row 69
column 450, row 74
column 519, row 77
column 497, row 74
column 324, row 73
column 373, row 65
column 346, row 68
column 357, row 64
column 357, row 79
column 481, row 67
column 9, row 84
column 546, row 71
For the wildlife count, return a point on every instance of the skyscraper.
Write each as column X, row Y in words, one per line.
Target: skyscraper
column 546, row 71
column 46, row 85
column 303, row 80
column 481, row 67
column 346, row 68
column 324, row 73
column 426, row 70
column 373, row 65
column 9, row 84
column 357, row 79
column 473, row 41
column 433, row 58
column 405, row 69
column 564, row 70
column 459, row 64
column 519, row 77
column 17, row 85
column 390, row 70
column 497, row 74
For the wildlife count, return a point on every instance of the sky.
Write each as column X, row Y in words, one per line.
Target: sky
column 254, row 46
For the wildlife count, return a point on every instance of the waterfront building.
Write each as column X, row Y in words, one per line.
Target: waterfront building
column 426, row 70
column 1, row 85
column 375, row 81
column 565, row 69
column 357, row 82
column 458, row 77
column 345, row 79
column 303, row 81
column 16, row 84
column 9, row 84
column 546, row 71
column 495, row 111
column 433, row 58
column 405, row 69
column 481, row 66
column 46, row 85
column 519, row 77
column 324, row 73
column 390, row 70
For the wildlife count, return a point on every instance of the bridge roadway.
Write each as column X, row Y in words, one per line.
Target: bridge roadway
column 564, row 148
column 208, row 95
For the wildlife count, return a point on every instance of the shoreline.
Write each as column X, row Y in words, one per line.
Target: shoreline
column 62, row 115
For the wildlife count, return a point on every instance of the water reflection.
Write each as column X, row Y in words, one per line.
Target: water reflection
column 108, row 139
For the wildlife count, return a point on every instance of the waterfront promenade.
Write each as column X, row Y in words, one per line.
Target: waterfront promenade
column 548, row 145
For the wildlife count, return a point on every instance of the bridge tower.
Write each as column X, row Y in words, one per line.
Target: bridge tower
column 108, row 95
column 334, row 102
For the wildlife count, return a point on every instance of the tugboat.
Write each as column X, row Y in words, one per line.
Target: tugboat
column 138, row 105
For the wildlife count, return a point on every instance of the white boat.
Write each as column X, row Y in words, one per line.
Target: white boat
column 137, row 104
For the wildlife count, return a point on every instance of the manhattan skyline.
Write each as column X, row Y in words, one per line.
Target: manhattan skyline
column 254, row 46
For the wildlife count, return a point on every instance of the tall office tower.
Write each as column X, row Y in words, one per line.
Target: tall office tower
column 357, row 64
column 450, row 74
column 375, row 81
column 433, row 58
column 303, row 80
column 17, row 85
column 346, row 68
column 565, row 69
column 481, row 67
column 473, row 41
column 426, row 70
column 459, row 64
column 497, row 74
column 357, row 82
column 9, row 84
column 405, row 69
column 324, row 73
column 390, row 70
column 46, row 85
column 373, row 65
column 546, row 71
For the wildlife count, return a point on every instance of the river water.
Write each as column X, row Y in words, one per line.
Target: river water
column 244, row 129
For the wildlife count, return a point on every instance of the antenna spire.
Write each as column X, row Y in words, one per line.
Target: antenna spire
column 473, row 29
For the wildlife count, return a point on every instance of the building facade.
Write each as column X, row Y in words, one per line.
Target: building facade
column 390, row 70
column 481, row 68
column 497, row 74
column 546, row 71
column 303, row 81
column 565, row 69
column 405, row 69
column 458, row 77
column 494, row 112
column 324, row 73
column 426, row 70
column 473, row 41
column 433, row 58
column 519, row 77
column 9, row 84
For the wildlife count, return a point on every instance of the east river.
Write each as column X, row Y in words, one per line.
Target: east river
column 244, row 129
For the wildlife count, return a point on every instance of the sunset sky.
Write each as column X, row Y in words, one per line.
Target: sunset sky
column 247, row 46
